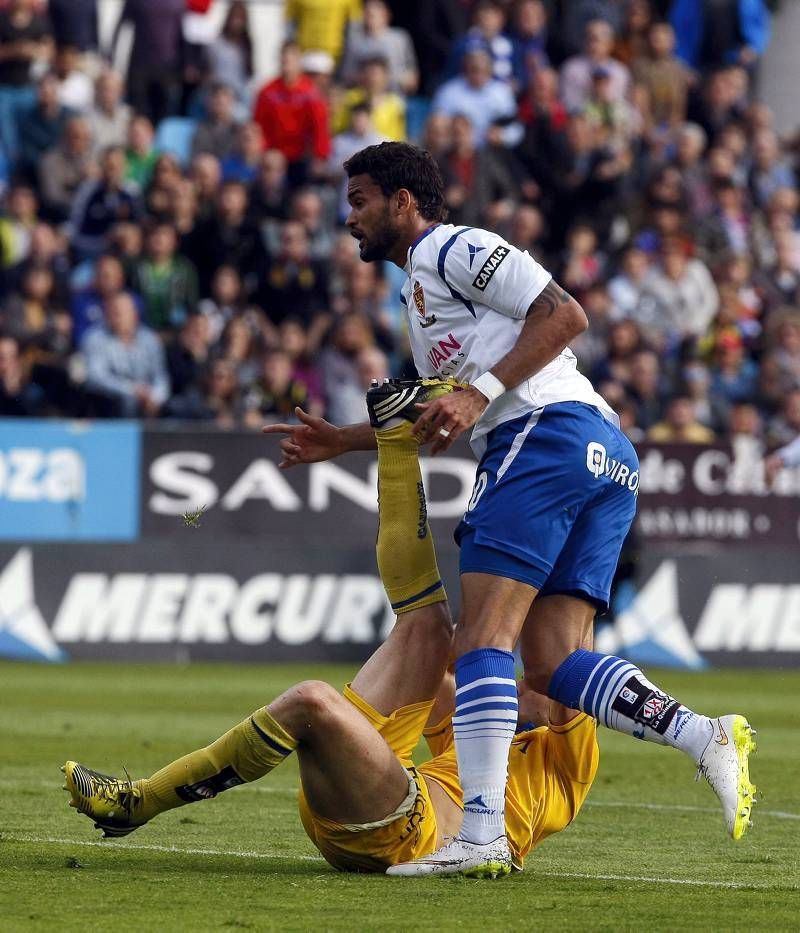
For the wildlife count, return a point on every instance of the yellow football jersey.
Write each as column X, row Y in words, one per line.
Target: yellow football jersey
column 550, row 771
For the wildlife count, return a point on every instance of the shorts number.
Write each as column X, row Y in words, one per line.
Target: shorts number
column 480, row 487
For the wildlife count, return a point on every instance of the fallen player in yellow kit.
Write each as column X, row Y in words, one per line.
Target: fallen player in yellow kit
column 363, row 803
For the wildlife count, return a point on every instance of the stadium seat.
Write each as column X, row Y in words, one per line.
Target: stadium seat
column 175, row 135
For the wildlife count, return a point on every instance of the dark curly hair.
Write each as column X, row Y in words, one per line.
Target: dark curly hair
column 393, row 166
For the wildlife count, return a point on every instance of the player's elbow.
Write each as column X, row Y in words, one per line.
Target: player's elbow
column 574, row 319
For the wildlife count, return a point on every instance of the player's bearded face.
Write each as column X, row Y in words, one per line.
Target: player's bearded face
column 370, row 220
column 378, row 233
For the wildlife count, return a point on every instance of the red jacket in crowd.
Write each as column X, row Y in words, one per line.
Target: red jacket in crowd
column 294, row 119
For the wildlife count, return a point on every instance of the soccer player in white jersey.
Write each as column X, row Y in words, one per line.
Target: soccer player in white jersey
column 554, row 496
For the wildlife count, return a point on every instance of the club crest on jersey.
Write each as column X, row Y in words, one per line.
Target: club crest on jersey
column 489, row 268
column 419, row 303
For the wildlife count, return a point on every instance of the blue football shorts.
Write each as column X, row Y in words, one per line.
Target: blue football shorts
column 554, row 498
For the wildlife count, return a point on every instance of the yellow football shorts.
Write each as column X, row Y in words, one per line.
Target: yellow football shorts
column 407, row 833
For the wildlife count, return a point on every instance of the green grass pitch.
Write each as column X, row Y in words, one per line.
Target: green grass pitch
column 648, row 851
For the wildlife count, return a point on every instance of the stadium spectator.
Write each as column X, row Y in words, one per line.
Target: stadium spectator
column 269, row 193
column 734, row 376
column 646, row 388
column 691, row 141
column 339, row 365
column 110, row 117
column 45, row 249
column 358, row 134
column 87, row 305
column 680, row 425
column 64, row 168
column 188, row 354
column 769, row 171
column 714, row 34
column 218, row 399
column 680, row 296
column 483, row 98
column 696, row 380
column 487, row 34
column 216, row 133
column 244, row 160
column 100, row 204
column 529, row 40
column 479, row 188
column 434, row 26
column 227, row 300
column 25, row 43
column 527, row 230
column 165, row 180
column 230, row 55
column 321, row 26
column 75, row 23
column 295, row 284
column 165, row 280
column 75, row 89
column 293, row 339
column 577, row 72
column 19, row 395
column 36, row 319
column 387, row 109
column 632, row 33
column 627, row 286
column 577, row 15
column 308, row 208
column 583, row 263
column 374, row 37
column 206, row 176
column 154, row 67
column 293, row 117
column 241, row 343
column 664, row 77
column 125, row 361
column 40, row 126
column 140, row 154
column 785, row 426
column 276, row 393
column 745, row 429
column 16, row 225
column 227, row 237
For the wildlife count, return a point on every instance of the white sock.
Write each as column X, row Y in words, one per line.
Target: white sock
column 484, row 723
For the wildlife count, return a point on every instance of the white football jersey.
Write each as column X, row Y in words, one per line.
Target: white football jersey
column 467, row 297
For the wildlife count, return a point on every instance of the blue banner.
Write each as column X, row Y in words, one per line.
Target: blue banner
column 77, row 481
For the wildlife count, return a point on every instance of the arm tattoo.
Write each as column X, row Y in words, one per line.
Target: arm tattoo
column 551, row 296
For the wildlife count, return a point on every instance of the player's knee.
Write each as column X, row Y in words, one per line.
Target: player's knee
column 429, row 629
column 312, row 702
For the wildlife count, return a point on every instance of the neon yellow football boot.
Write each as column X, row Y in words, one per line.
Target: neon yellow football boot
column 110, row 802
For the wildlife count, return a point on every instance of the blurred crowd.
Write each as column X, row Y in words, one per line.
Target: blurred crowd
column 172, row 241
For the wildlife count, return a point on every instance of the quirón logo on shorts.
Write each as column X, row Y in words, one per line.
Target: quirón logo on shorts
column 598, row 463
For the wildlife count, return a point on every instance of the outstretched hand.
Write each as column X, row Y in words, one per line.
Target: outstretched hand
column 446, row 418
column 310, row 441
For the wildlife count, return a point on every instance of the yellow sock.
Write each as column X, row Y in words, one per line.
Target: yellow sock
column 406, row 555
column 245, row 753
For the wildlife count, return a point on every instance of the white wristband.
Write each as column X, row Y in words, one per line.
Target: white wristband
column 489, row 385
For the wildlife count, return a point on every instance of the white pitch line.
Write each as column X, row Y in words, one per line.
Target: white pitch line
column 110, row 845
column 694, row 882
column 267, row 856
column 685, row 808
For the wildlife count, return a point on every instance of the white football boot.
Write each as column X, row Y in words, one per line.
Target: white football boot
column 460, row 857
column 724, row 765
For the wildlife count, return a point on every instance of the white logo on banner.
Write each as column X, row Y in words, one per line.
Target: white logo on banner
column 653, row 621
column 19, row 615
